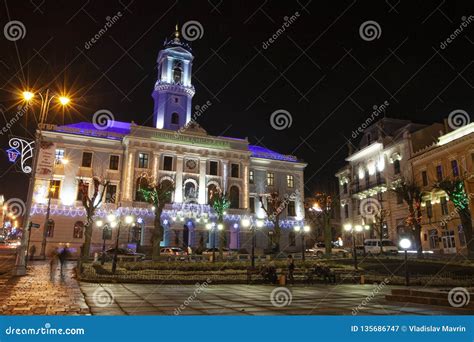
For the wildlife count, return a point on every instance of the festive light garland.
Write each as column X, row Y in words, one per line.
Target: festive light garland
column 179, row 212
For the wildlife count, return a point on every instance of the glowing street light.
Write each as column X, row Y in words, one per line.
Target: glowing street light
column 28, row 95
column 64, row 100
column 405, row 244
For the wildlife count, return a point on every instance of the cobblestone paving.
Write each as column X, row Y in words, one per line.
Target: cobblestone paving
column 147, row 299
column 39, row 294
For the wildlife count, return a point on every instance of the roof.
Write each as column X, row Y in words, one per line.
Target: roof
column 263, row 152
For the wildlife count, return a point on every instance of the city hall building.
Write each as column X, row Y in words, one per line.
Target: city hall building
column 175, row 150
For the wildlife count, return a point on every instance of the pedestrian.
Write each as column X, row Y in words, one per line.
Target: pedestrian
column 53, row 264
column 62, row 259
column 291, row 268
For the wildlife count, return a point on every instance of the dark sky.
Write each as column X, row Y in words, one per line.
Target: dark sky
column 320, row 69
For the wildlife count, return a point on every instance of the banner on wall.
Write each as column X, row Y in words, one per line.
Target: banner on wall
column 46, row 160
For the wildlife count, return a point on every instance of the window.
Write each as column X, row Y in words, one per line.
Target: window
column 378, row 177
column 143, row 160
column 344, row 188
column 177, row 72
column 213, row 168
column 399, row 198
column 175, row 119
column 433, row 233
column 82, row 188
column 252, row 205
column 357, row 184
column 59, row 155
column 211, row 191
column 455, row 168
column 234, row 197
column 367, row 179
column 462, row 236
column 429, row 209
column 111, row 193
column 444, row 205
column 292, row 238
column 54, row 187
column 234, row 170
column 270, row 178
column 396, row 167
column 251, row 176
column 114, row 162
column 424, row 178
column 439, row 173
column 86, row 159
column 346, row 210
column 290, row 181
column 168, row 163
column 78, row 231
column 291, row 208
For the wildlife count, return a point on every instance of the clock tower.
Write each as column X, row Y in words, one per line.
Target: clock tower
column 173, row 90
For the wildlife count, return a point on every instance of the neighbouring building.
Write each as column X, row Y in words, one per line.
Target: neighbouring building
column 381, row 158
column 175, row 150
column 451, row 156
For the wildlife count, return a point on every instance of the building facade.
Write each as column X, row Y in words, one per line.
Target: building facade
column 382, row 158
column 451, row 157
column 175, row 150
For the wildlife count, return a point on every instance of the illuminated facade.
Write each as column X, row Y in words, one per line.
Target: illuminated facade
column 175, row 150
column 382, row 158
column 450, row 157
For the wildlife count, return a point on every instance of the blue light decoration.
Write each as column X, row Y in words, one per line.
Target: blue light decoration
column 13, row 154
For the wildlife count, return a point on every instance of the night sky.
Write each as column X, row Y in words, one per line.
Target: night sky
column 320, row 69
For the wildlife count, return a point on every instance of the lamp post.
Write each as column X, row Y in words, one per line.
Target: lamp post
column 253, row 226
column 45, row 102
column 115, row 221
column 352, row 230
column 105, row 235
column 212, row 228
column 405, row 244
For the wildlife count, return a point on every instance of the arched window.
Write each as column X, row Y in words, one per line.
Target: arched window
column 142, row 183
column 175, row 119
column 211, row 190
column 167, row 189
column 190, row 190
column 234, row 197
column 177, row 72
column 78, row 231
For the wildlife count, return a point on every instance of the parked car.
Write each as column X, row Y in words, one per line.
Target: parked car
column 225, row 252
column 319, row 249
column 123, row 254
column 172, row 251
column 372, row 246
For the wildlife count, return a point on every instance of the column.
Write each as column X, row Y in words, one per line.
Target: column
column 225, row 174
column 202, row 181
column 178, row 192
column 127, row 183
column 155, row 165
column 245, row 192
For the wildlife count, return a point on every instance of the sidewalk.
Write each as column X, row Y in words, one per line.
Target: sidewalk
column 38, row 294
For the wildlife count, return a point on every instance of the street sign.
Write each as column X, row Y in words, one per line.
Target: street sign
column 34, row 225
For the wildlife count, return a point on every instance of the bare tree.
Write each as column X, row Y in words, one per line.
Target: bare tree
column 379, row 225
column 157, row 194
column 412, row 196
column 320, row 209
column 274, row 208
column 90, row 204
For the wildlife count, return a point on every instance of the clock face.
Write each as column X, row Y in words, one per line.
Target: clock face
column 191, row 164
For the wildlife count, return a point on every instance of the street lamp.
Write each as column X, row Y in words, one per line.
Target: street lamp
column 212, row 228
column 46, row 99
column 114, row 222
column 350, row 229
column 246, row 223
column 405, row 244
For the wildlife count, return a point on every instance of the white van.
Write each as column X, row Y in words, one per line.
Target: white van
column 372, row 246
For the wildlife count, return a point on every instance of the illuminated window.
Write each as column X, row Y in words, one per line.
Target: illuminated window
column 59, row 155
column 270, row 178
column 54, row 187
column 290, row 181
column 143, row 160
column 291, row 208
column 111, row 193
column 439, row 173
